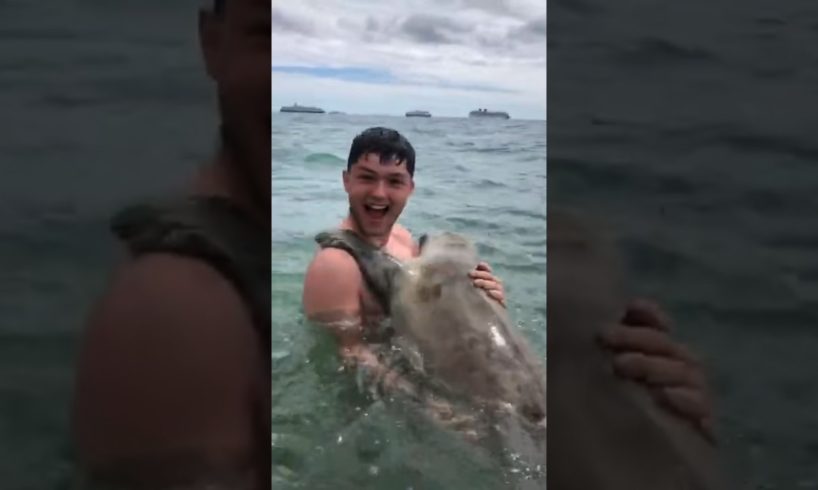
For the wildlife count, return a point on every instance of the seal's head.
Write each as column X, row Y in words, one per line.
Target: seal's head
column 443, row 257
column 447, row 244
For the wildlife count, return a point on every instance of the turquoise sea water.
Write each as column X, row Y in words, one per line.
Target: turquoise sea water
column 483, row 178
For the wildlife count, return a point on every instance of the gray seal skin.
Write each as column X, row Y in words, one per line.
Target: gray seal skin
column 467, row 344
column 610, row 434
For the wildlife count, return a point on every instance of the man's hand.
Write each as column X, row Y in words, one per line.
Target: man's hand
column 484, row 279
column 646, row 353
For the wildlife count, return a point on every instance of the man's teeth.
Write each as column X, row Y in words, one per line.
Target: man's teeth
column 377, row 208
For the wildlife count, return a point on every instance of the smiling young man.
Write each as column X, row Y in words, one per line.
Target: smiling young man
column 379, row 180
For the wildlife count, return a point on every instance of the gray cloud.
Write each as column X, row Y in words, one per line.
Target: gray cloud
column 491, row 27
column 347, row 23
column 505, row 8
column 431, row 29
column 286, row 22
column 533, row 31
column 494, row 44
column 434, row 44
column 372, row 24
column 516, row 41
column 494, row 6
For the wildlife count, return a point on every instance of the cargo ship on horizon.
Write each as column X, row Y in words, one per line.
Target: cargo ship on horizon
column 302, row 109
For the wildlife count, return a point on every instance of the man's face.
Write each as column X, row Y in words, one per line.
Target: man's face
column 377, row 193
column 236, row 48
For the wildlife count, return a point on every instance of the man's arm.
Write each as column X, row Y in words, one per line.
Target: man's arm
column 332, row 298
column 332, row 295
column 166, row 381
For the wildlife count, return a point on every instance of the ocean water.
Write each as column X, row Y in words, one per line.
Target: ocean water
column 691, row 126
column 482, row 178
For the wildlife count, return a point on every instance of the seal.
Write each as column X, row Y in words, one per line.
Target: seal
column 465, row 342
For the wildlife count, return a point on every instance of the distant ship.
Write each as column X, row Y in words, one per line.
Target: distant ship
column 302, row 108
column 418, row 114
column 488, row 113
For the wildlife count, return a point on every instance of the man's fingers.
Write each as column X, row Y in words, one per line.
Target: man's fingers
column 647, row 341
column 488, row 284
column 493, row 291
column 687, row 401
column 484, row 279
column 498, row 295
column 708, row 427
column 484, row 266
column 477, row 274
column 693, row 405
column 644, row 313
column 658, row 371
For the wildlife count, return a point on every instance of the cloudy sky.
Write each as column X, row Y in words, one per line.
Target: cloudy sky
column 387, row 57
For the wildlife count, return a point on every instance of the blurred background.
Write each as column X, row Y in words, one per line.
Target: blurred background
column 102, row 104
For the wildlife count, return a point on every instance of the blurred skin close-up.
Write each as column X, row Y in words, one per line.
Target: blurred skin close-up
column 173, row 377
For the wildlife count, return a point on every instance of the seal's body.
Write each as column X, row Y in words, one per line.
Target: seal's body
column 464, row 341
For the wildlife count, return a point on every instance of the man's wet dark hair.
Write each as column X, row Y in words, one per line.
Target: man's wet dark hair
column 218, row 6
column 388, row 143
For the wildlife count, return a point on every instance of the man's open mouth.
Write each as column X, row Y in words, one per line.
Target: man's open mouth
column 376, row 210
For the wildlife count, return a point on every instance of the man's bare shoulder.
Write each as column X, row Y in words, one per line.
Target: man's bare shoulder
column 184, row 292
column 403, row 236
column 332, row 284
column 168, row 360
column 332, row 266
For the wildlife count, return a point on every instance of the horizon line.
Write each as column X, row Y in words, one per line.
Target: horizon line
column 343, row 113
